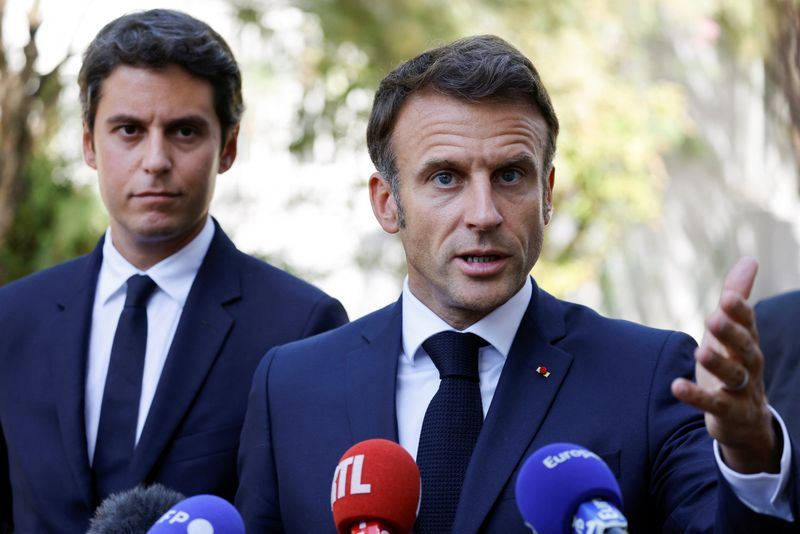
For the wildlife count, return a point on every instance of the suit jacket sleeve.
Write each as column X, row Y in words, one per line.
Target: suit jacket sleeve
column 685, row 480
column 6, row 523
column 257, row 498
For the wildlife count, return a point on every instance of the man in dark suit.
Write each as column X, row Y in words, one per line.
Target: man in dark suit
column 463, row 138
column 132, row 364
column 778, row 320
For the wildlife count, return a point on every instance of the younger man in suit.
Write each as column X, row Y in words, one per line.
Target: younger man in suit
column 132, row 364
column 476, row 367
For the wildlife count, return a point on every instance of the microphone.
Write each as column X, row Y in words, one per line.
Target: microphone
column 375, row 489
column 133, row 510
column 564, row 488
column 201, row 514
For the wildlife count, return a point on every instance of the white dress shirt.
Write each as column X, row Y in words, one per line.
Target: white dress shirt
column 418, row 381
column 174, row 277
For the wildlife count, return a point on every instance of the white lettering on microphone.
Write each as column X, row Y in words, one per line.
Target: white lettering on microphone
column 174, row 516
column 554, row 460
column 339, row 485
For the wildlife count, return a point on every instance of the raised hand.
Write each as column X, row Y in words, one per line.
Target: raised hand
column 730, row 382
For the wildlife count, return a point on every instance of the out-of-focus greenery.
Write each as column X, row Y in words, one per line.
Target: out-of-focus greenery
column 620, row 114
column 621, row 111
column 617, row 119
column 46, row 218
column 56, row 220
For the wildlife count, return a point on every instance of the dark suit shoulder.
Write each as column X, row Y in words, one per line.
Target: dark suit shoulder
column 344, row 338
column 782, row 308
column 257, row 273
column 776, row 321
column 580, row 320
column 53, row 281
column 28, row 298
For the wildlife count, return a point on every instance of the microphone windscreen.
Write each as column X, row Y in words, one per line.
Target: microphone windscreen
column 133, row 510
column 558, row 478
column 201, row 514
column 376, row 480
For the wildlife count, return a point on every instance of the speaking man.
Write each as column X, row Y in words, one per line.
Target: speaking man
column 132, row 364
column 475, row 366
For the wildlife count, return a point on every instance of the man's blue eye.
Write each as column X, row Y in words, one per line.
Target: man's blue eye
column 510, row 175
column 444, row 178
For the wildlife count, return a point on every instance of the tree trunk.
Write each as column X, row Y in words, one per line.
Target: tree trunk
column 17, row 97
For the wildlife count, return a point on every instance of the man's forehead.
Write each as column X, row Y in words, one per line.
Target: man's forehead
column 440, row 122
column 174, row 86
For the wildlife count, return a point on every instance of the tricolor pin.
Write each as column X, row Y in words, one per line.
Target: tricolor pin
column 543, row 371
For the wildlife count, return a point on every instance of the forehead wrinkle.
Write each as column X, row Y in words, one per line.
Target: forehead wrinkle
column 464, row 137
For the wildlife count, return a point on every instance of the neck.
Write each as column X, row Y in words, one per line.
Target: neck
column 145, row 251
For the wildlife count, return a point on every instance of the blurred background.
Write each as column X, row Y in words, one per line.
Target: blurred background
column 679, row 151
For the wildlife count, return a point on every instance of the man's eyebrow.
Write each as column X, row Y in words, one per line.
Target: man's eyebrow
column 197, row 121
column 186, row 120
column 123, row 118
column 525, row 158
column 436, row 164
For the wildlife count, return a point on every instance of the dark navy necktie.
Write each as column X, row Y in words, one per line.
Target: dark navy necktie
column 116, row 433
column 450, row 429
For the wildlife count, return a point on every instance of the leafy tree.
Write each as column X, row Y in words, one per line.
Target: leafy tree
column 44, row 218
column 617, row 120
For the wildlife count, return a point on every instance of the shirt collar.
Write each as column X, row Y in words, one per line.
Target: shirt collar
column 498, row 328
column 173, row 275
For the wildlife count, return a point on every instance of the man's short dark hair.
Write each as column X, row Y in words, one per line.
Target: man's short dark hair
column 474, row 69
column 156, row 39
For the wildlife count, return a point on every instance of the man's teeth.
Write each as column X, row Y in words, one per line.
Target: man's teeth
column 480, row 259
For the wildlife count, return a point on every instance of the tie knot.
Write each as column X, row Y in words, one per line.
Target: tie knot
column 455, row 354
column 140, row 287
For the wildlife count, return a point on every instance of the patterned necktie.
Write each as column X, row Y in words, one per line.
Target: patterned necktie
column 116, row 433
column 450, row 429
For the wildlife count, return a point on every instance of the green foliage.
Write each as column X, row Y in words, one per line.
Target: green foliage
column 618, row 120
column 55, row 220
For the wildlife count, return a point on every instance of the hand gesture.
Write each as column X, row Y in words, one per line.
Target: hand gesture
column 730, row 383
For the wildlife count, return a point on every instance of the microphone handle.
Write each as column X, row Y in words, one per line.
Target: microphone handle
column 599, row 517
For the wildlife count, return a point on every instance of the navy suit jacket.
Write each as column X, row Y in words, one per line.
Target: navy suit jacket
column 778, row 320
column 608, row 390
column 237, row 309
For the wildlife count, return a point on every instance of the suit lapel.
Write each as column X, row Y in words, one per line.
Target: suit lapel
column 201, row 332
column 371, row 376
column 68, row 366
column 519, row 406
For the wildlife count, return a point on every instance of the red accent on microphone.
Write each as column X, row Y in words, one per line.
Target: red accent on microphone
column 377, row 483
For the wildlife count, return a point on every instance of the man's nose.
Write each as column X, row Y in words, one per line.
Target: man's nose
column 157, row 158
column 481, row 208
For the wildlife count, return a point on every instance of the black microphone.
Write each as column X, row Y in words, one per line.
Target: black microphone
column 133, row 511
column 564, row 488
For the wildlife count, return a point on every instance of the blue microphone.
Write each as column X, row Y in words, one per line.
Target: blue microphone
column 201, row 514
column 564, row 488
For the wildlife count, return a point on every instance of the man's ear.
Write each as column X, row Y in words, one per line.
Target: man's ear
column 89, row 155
column 229, row 149
column 547, row 196
column 383, row 203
